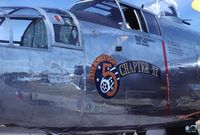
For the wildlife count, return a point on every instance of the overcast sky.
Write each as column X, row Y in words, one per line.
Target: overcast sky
column 184, row 7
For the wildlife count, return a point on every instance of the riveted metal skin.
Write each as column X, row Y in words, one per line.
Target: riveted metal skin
column 157, row 76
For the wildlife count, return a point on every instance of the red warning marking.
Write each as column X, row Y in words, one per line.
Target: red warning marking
column 57, row 18
column 168, row 110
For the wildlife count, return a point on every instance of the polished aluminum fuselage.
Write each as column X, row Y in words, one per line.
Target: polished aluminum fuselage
column 52, row 88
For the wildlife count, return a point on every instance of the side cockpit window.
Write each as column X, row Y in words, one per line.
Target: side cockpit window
column 4, row 28
column 133, row 18
column 66, row 31
column 152, row 23
column 35, row 35
column 140, row 20
column 38, row 28
column 29, row 29
column 25, row 27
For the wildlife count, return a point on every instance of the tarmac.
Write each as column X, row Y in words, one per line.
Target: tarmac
column 190, row 130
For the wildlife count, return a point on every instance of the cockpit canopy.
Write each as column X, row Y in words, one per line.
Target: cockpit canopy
column 116, row 14
column 38, row 27
column 105, row 12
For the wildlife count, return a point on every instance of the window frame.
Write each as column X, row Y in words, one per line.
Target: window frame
column 138, row 19
column 43, row 13
column 69, row 46
column 146, row 23
column 33, row 21
column 121, row 24
column 67, row 25
column 139, row 16
column 8, row 17
column 25, row 19
column 4, row 42
column 141, row 19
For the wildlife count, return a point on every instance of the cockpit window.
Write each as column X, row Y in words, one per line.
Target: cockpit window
column 35, row 35
column 104, row 12
column 133, row 18
column 25, row 26
column 37, row 27
column 29, row 29
column 66, row 32
column 4, row 38
column 152, row 24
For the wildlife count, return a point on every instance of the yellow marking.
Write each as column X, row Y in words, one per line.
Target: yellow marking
column 144, row 67
column 123, row 69
column 196, row 5
column 155, row 71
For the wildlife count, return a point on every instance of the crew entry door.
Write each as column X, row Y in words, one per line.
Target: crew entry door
column 142, row 71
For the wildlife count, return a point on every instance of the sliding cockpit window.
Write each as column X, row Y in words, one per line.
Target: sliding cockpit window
column 103, row 12
column 152, row 24
column 65, row 29
column 66, row 32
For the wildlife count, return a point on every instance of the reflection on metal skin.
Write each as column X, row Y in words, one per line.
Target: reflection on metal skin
column 159, row 73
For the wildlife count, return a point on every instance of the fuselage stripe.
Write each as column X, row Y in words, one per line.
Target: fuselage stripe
column 167, row 78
